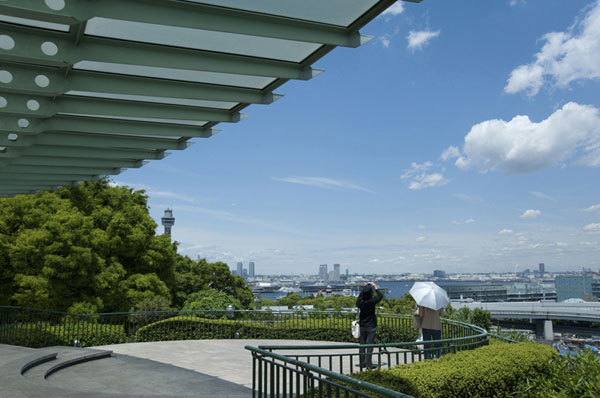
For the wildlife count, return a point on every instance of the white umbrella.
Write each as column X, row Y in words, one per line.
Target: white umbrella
column 430, row 295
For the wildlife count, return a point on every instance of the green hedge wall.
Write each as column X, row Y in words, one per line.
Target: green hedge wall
column 46, row 334
column 195, row 328
column 492, row 371
column 569, row 377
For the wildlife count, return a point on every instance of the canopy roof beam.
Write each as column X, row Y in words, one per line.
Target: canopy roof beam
column 82, row 152
column 24, row 77
column 25, row 177
column 188, row 15
column 90, row 87
column 29, row 41
column 72, row 162
column 43, row 108
column 63, row 170
column 66, row 123
column 93, row 141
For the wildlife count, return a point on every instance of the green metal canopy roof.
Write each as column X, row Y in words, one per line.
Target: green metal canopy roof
column 90, row 87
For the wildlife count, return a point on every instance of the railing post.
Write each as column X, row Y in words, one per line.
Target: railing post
column 272, row 378
column 259, row 379
column 254, row 375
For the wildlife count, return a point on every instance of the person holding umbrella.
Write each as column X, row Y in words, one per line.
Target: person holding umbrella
column 368, row 297
column 431, row 300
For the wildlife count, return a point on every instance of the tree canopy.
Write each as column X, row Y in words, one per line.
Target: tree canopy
column 93, row 248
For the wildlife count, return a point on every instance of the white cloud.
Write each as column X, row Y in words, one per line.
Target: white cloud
column 595, row 227
column 592, row 209
column 416, row 168
column 541, row 195
column 565, row 57
column 459, row 222
column 451, row 152
column 417, row 39
column 395, row 9
column 505, row 232
column 421, row 179
column 421, row 239
column 321, row 182
column 374, row 260
column 386, row 39
column 531, row 213
column 428, row 181
column 521, row 146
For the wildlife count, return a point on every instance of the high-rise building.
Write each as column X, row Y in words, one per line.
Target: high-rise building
column 438, row 273
column 323, row 272
column 542, row 270
column 239, row 271
column 336, row 272
column 251, row 269
column 168, row 221
column 331, row 275
column 573, row 286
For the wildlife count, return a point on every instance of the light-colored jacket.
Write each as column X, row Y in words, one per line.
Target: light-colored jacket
column 416, row 318
column 430, row 319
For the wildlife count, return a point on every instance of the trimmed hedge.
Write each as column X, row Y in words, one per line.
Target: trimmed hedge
column 196, row 328
column 493, row 371
column 571, row 376
column 93, row 330
column 46, row 334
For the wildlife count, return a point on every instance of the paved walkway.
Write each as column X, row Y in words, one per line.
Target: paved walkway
column 181, row 369
column 118, row 376
column 224, row 359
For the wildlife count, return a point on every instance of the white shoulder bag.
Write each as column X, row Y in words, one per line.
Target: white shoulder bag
column 356, row 328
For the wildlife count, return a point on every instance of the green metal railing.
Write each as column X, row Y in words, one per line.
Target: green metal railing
column 320, row 370
column 39, row 328
column 278, row 370
column 276, row 375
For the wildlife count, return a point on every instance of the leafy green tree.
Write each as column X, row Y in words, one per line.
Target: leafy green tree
column 476, row 316
column 481, row 318
column 403, row 305
column 78, row 249
column 145, row 287
column 188, row 279
column 267, row 302
column 192, row 277
column 290, row 300
column 211, row 299
column 571, row 376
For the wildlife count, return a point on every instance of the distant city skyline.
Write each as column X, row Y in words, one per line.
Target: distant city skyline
column 463, row 138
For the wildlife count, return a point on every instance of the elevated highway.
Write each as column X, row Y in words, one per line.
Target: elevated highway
column 589, row 312
column 540, row 313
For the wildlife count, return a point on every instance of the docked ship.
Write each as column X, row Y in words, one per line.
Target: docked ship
column 265, row 287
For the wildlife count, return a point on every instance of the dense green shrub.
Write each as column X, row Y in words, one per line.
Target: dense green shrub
column 192, row 327
column 475, row 316
column 46, row 334
column 568, row 377
column 302, row 327
column 492, row 371
column 211, row 300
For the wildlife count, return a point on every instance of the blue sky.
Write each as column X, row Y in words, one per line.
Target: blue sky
column 464, row 136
